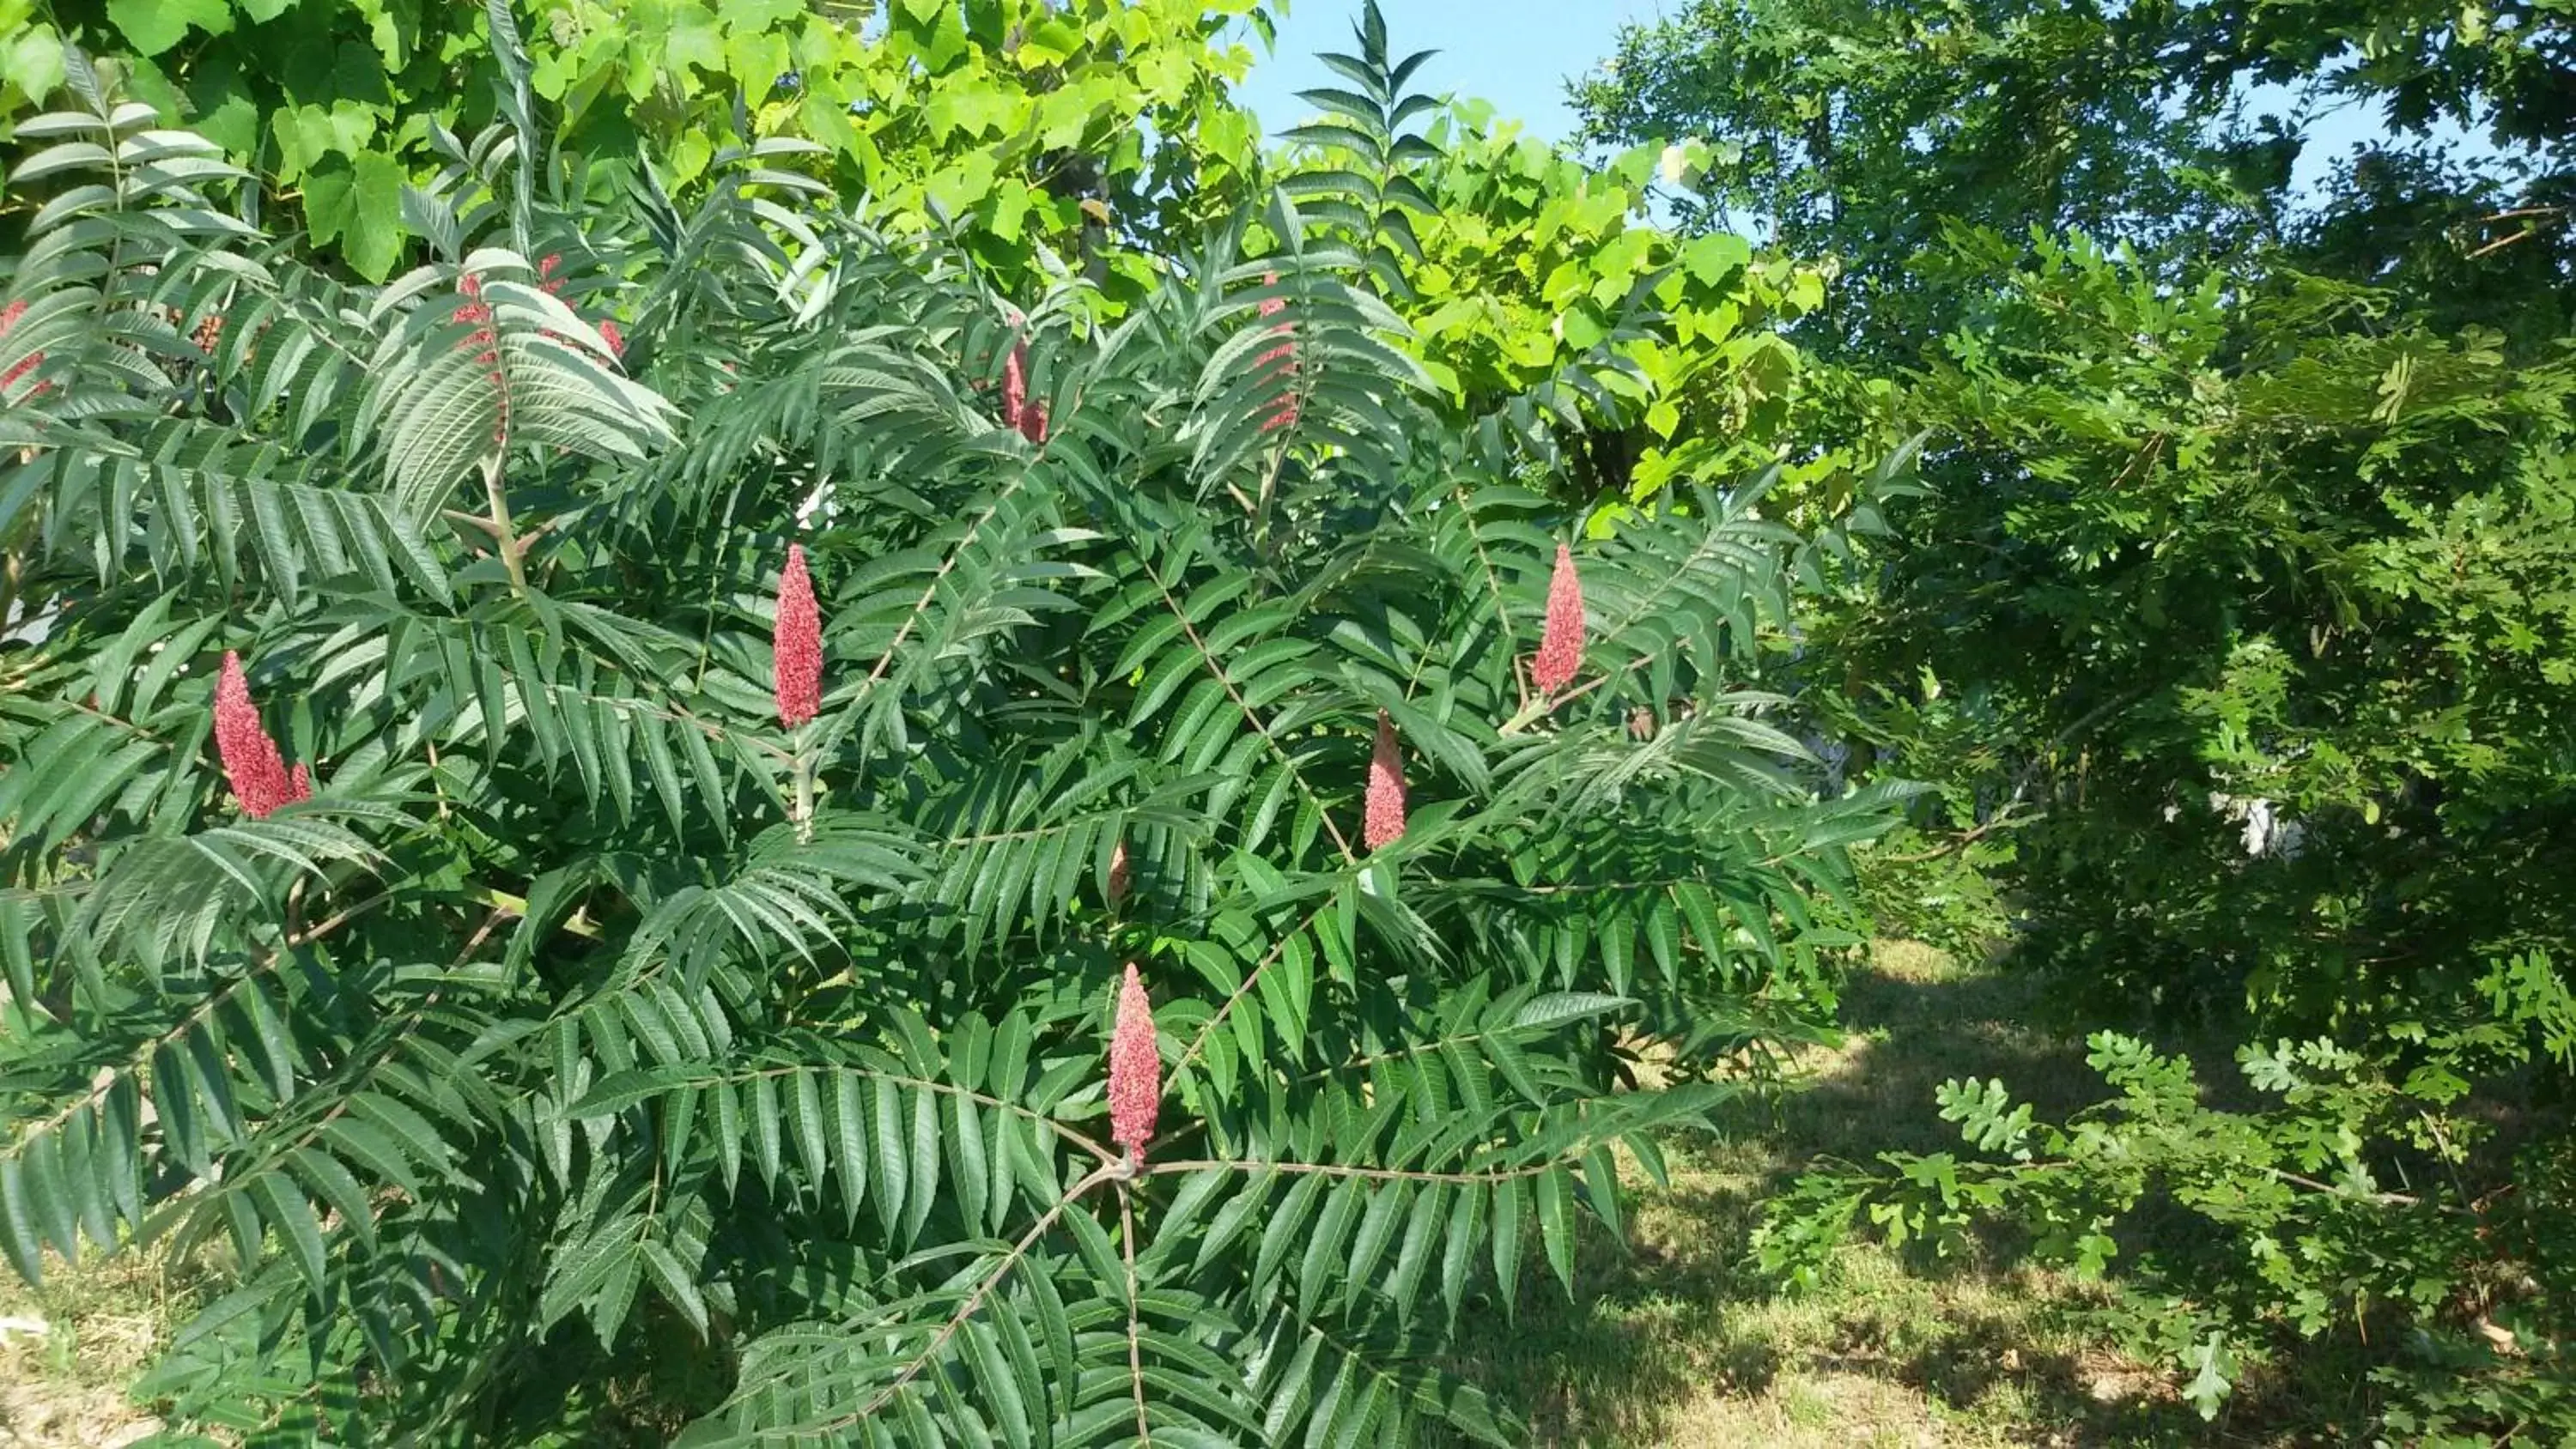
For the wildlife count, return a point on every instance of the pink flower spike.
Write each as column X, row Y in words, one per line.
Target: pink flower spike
column 615, row 339
column 1282, row 359
column 1135, row 1069
column 252, row 765
column 1383, row 823
column 797, row 643
column 1560, row 647
column 1015, row 388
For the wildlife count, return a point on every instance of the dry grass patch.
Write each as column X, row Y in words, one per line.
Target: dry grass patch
column 1676, row 1342
column 68, row 1350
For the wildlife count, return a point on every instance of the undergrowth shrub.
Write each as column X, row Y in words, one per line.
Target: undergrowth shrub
column 2401, row 1226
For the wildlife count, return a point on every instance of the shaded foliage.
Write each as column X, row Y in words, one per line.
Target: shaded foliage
column 2234, row 628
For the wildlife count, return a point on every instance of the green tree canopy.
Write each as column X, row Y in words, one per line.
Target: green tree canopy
column 2236, row 623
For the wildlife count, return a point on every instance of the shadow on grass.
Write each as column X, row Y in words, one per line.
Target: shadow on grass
column 1677, row 1341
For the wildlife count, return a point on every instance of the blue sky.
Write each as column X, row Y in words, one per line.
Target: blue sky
column 1515, row 53
column 1518, row 54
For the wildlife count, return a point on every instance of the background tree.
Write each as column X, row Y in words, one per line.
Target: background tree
column 1858, row 132
column 1029, row 124
column 1043, row 140
column 2236, row 605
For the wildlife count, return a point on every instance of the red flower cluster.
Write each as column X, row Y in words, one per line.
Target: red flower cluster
column 553, row 286
column 1383, row 821
column 1560, row 646
column 797, row 643
column 8, row 319
column 1017, row 411
column 252, row 765
column 1135, row 1069
column 486, row 340
column 1284, row 356
column 1120, row 879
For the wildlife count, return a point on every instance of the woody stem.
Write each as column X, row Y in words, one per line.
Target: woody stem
column 502, row 536
column 804, row 795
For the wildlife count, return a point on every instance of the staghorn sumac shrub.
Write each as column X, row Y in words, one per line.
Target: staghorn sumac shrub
column 1065, row 933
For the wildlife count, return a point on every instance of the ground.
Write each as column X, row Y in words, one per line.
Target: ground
column 1672, row 1342
column 1677, row 1343
column 67, row 1350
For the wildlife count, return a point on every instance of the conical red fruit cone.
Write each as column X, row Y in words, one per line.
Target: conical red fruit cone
column 1560, row 648
column 1015, row 384
column 252, row 765
column 1135, row 1068
column 1384, row 822
column 797, row 643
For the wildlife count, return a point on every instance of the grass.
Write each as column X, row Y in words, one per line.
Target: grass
column 1675, row 1342
column 68, row 1349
